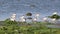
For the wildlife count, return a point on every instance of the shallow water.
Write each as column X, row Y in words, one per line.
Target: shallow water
column 21, row 7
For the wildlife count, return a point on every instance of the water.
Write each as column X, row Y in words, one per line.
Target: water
column 21, row 7
column 53, row 26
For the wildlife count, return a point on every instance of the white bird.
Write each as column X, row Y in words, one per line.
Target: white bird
column 53, row 19
column 44, row 19
column 34, row 19
column 37, row 15
column 55, row 13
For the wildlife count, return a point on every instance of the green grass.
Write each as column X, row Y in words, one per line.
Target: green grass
column 26, row 28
